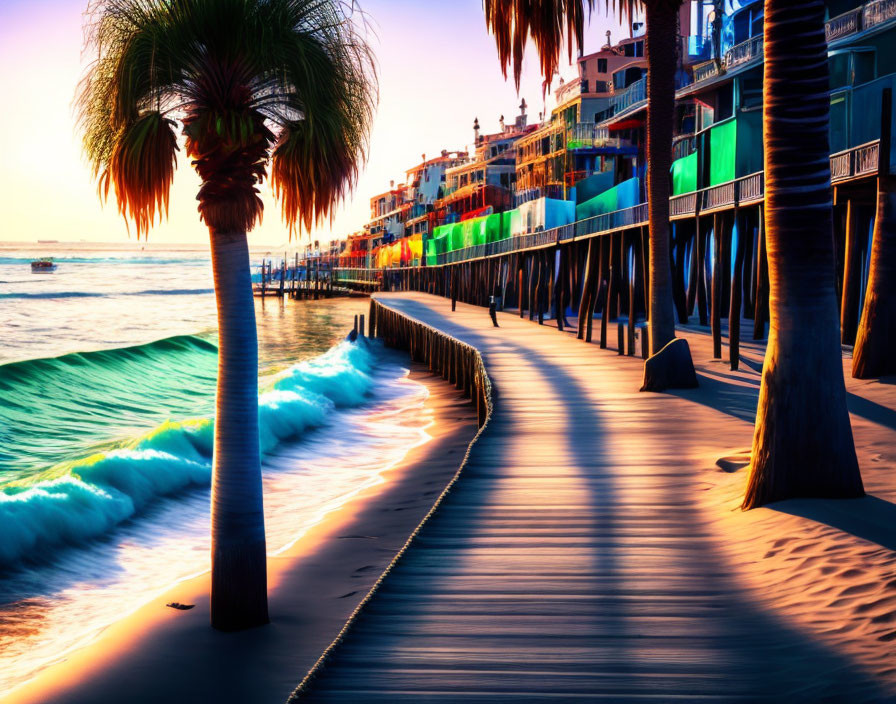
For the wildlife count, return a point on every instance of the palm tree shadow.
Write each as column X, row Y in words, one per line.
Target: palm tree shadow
column 777, row 669
column 869, row 518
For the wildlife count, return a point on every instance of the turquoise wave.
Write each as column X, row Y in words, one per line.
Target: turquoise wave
column 197, row 260
column 83, row 448
column 116, row 294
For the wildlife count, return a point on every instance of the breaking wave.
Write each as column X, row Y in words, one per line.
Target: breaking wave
column 64, row 501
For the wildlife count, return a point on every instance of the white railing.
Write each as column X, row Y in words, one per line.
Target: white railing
column 685, row 204
column 634, row 94
column 843, row 25
column 705, row 70
column 855, row 162
column 714, row 197
column 744, row 52
column 878, row 12
column 588, row 134
column 750, row 188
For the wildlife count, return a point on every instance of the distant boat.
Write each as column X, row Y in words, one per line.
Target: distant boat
column 48, row 241
column 42, row 266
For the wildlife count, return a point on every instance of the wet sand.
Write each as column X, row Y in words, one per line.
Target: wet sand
column 159, row 653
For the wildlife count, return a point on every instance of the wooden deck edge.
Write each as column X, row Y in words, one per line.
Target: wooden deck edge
column 459, row 363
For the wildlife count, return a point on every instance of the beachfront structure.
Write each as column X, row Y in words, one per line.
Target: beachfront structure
column 579, row 174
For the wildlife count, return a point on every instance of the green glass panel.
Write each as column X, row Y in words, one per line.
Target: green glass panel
column 684, row 175
column 722, row 153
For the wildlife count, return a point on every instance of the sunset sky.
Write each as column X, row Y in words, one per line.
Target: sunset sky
column 438, row 69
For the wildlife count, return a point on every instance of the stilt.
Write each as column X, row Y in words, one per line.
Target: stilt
column 736, row 293
column 716, row 301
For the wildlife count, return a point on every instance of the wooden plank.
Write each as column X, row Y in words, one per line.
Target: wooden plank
column 569, row 562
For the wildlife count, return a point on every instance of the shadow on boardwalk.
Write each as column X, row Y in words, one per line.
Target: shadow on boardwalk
column 569, row 562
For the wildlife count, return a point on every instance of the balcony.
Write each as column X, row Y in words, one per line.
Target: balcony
column 587, row 135
column 744, row 53
column 843, row 25
column 634, row 94
column 870, row 15
column 856, row 162
column 706, row 70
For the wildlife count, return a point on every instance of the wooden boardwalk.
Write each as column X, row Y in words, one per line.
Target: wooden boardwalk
column 570, row 562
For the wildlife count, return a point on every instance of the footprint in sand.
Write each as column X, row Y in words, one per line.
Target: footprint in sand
column 735, row 462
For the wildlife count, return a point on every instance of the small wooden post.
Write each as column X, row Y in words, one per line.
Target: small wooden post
column 361, row 325
column 282, row 276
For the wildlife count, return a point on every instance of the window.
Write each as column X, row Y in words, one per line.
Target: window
column 601, row 65
column 725, row 102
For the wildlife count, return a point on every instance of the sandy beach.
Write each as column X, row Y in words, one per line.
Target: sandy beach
column 827, row 567
column 313, row 588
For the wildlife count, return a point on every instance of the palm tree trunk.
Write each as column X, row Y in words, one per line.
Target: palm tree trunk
column 803, row 444
column 239, row 570
column 666, row 368
column 873, row 355
column 661, row 57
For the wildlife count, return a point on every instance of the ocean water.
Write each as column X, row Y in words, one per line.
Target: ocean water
column 107, row 382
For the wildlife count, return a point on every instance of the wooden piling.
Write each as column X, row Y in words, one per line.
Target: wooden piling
column 736, row 293
column 716, row 295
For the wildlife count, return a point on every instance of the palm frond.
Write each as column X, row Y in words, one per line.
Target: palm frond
column 546, row 23
column 248, row 79
column 141, row 168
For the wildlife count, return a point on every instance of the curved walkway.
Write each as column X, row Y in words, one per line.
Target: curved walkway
column 570, row 562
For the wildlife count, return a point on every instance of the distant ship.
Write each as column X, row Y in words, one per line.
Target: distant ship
column 40, row 266
column 48, row 241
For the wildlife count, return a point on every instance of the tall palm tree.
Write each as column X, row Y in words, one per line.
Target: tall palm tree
column 803, row 444
column 514, row 22
column 872, row 355
column 288, row 83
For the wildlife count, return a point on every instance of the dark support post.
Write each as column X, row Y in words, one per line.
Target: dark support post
column 856, row 233
column 760, row 305
column 632, row 316
column 702, row 237
column 717, row 287
column 607, row 256
column 585, row 303
column 595, row 284
column 692, row 272
column 736, row 292
column 747, row 270
column 726, row 233
column 645, row 270
column 678, row 285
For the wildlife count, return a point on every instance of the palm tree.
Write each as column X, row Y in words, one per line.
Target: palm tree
column 872, row 355
column 514, row 22
column 803, row 444
column 252, row 82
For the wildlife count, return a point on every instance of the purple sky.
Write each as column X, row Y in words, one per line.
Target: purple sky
column 438, row 69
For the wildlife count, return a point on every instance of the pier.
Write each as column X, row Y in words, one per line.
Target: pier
column 572, row 559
